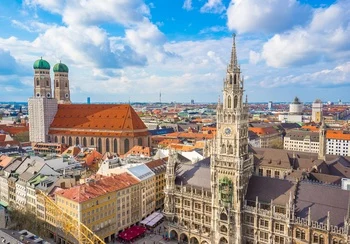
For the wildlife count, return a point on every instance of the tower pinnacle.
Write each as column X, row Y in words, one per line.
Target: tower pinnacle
column 233, row 62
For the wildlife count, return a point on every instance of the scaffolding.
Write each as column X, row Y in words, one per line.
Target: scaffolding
column 72, row 227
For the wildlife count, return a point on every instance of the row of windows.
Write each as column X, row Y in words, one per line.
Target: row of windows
column 99, row 143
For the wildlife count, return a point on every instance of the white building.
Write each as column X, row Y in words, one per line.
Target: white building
column 296, row 107
column 337, row 142
column 302, row 141
column 317, row 111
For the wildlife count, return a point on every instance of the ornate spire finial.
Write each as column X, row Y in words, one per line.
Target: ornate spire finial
column 233, row 52
column 246, row 98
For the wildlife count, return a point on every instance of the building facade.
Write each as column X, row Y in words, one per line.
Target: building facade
column 107, row 127
column 221, row 199
column 337, row 142
column 317, row 111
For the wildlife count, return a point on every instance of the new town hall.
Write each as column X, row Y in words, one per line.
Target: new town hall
column 222, row 200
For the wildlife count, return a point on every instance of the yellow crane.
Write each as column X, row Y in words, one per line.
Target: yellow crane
column 68, row 224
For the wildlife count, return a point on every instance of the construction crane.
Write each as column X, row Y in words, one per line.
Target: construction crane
column 68, row 224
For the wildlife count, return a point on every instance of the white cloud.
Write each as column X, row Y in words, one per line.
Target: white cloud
column 325, row 38
column 265, row 15
column 54, row 6
column 32, row 26
column 213, row 29
column 92, row 12
column 338, row 76
column 213, row 6
column 254, row 57
column 187, row 5
column 148, row 40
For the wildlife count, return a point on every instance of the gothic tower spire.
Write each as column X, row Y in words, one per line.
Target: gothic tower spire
column 233, row 63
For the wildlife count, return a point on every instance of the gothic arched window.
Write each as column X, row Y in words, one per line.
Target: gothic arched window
column 234, row 79
column 57, row 84
column 66, row 85
column 63, row 140
column 139, row 142
column 47, row 83
column 223, row 229
column 56, row 139
column 231, row 79
column 107, row 145
column 77, row 142
column 84, row 142
column 37, row 81
column 99, row 145
column 70, row 141
column 115, row 145
column 126, row 145
column 223, row 216
column 235, row 102
column 229, row 102
column 223, row 148
column 230, row 149
column 92, row 142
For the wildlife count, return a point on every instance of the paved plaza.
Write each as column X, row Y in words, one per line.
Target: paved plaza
column 152, row 238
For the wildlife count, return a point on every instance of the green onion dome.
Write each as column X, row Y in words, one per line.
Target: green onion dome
column 60, row 67
column 41, row 64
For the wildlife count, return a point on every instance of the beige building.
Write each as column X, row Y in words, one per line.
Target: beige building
column 103, row 205
column 221, row 200
column 302, row 141
column 158, row 167
column 147, row 186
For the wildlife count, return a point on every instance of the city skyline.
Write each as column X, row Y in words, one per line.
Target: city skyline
column 135, row 49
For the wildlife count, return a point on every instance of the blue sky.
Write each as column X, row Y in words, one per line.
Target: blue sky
column 132, row 49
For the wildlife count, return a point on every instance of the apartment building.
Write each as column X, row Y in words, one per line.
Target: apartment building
column 158, row 167
column 104, row 205
column 303, row 141
column 147, row 186
column 337, row 141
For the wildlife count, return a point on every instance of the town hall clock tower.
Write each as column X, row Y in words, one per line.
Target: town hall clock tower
column 231, row 165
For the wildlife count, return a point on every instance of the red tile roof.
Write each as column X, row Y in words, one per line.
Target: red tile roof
column 156, row 163
column 139, row 150
column 2, row 137
column 97, row 120
column 87, row 191
column 14, row 129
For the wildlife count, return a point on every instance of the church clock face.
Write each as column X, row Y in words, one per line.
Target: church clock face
column 227, row 131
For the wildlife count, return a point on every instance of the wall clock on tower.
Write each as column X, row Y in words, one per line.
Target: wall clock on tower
column 227, row 131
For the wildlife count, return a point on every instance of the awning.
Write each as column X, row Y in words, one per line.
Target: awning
column 149, row 218
column 132, row 233
column 4, row 204
column 153, row 219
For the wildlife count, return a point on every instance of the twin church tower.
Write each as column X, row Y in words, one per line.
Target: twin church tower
column 42, row 81
column 42, row 107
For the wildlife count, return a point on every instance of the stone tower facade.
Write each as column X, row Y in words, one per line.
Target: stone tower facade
column 323, row 141
column 42, row 107
column 231, row 165
column 317, row 111
column 42, row 80
column 61, row 83
column 169, row 209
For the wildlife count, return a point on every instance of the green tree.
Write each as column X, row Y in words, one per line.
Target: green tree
column 22, row 137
